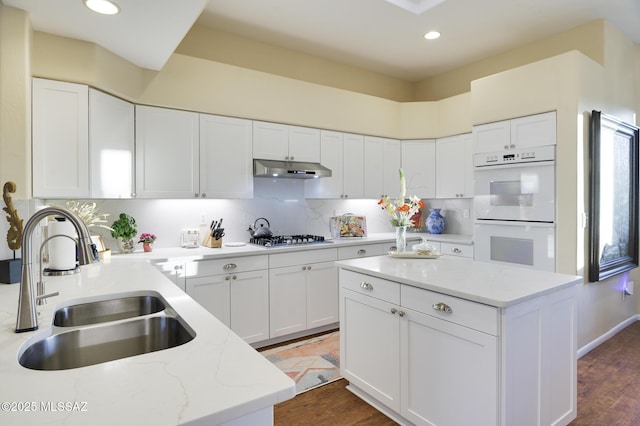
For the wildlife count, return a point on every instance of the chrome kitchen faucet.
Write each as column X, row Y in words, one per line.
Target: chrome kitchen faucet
column 27, row 319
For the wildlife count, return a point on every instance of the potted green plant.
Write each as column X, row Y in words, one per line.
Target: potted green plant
column 124, row 229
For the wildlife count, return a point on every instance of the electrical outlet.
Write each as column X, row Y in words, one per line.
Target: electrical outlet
column 465, row 213
column 628, row 289
column 203, row 218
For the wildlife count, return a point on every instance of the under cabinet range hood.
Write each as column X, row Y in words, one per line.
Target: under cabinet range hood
column 289, row 169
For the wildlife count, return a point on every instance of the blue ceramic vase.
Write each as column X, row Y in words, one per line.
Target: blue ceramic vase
column 435, row 222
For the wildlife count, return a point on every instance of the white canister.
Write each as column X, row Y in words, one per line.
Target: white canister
column 62, row 250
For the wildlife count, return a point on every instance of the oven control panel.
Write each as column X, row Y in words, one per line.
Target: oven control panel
column 514, row 156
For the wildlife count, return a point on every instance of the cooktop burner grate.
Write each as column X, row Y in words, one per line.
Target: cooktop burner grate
column 287, row 240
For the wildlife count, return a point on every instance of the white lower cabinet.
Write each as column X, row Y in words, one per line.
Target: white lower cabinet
column 427, row 358
column 303, row 291
column 234, row 290
column 175, row 271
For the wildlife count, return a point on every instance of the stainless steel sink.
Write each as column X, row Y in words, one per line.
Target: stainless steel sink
column 81, row 347
column 107, row 310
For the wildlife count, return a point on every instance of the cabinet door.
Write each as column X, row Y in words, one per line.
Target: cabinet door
column 226, row 165
column 166, row 153
column 304, row 144
column 454, row 165
column 213, row 294
column 419, row 166
column 175, row 271
column 111, row 146
column 373, row 167
column 391, row 168
column 445, row 365
column 369, row 342
column 331, row 156
column 533, row 130
column 322, row 294
column 60, row 139
column 287, row 300
column 492, row 137
column 270, row 141
column 250, row 305
column 353, row 166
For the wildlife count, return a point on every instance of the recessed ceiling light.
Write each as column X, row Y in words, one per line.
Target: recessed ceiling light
column 432, row 35
column 105, row 7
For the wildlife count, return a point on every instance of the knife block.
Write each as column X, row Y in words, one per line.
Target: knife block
column 212, row 242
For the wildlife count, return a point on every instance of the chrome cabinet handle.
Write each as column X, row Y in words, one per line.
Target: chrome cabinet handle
column 401, row 313
column 394, row 311
column 227, row 278
column 506, row 147
column 442, row 307
column 234, row 277
column 456, row 250
column 177, row 267
column 229, row 266
column 366, row 285
column 304, row 268
column 362, row 251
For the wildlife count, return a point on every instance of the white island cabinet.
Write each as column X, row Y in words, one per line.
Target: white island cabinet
column 421, row 339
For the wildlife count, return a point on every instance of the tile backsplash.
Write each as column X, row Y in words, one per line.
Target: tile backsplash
column 281, row 201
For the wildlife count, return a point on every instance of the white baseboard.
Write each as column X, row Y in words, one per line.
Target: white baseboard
column 606, row 336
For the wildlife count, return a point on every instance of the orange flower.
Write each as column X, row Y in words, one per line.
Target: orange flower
column 403, row 208
column 421, row 204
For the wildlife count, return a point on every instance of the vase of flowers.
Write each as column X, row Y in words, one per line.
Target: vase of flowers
column 401, row 211
column 147, row 240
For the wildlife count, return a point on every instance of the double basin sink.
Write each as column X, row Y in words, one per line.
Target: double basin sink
column 94, row 332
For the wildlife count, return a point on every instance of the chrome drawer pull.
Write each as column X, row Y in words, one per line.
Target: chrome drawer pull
column 394, row 311
column 366, row 285
column 456, row 250
column 442, row 307
column 401, row 313
column 362, row 251
column 229, row 266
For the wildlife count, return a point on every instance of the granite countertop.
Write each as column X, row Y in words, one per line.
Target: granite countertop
column 199, row 253
column 214, row 378
column 484, row 282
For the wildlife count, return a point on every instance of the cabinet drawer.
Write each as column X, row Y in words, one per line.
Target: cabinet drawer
column 361, row 250
column 371, row 286
column 464, row 312
column 461, row 250
column 302, row 257
column 207, row 267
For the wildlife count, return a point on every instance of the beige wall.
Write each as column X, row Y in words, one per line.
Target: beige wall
column 587, row 38
column 15, row 92
column 206, row 43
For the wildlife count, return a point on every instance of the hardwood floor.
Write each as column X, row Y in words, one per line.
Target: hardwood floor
column 608, row 392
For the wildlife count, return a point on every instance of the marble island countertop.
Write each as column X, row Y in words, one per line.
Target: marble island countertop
column 214, row 378
column 489, row 283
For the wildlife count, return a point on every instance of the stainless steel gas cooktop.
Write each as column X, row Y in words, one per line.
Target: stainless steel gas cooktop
column 288, row 240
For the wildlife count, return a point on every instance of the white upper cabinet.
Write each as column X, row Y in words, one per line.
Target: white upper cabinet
column 226, row 167
column 274, row 141
column 343, row 155
column 523, row 132
column 381, row 167
column 454, row 165
column 111, row 146
column 60, row 154
column 167, row 163
column 419, row 166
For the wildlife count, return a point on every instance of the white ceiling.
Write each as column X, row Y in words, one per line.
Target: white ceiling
column 372, row 34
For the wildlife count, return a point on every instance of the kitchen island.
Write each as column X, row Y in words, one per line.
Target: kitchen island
column 216, row 378
column 450, row 341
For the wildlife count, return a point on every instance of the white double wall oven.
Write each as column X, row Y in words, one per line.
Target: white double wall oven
column 515, row 207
